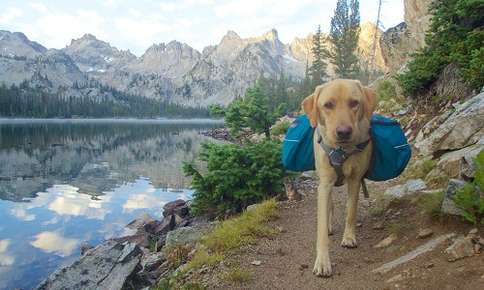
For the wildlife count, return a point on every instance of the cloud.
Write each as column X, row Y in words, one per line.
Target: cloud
column 39, row 7
column 52, row 242
column 5, row 259
column 57, row 28
column 22, row 214
column 9, row 15
column 196, row 22
column 70, row 202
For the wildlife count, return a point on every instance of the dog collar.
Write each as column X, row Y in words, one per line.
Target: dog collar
column 338, row 156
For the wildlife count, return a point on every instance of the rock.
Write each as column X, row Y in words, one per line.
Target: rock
column 429, row 265
column 448, row 204
column 140, row 222
column 178, row 207
column 462, row 128
column 424, row 233
column 399, row 42
column 427, row 247
column 151, row 261
column 477, row 248
column 460, row 163
column 411, row 186
column 386, row 242
column 461, row 248
column 308, row 174
column 111, row 265
column 251, row 207
column 473, row 231
column 396, row 191
column 292, row 193
column 85, row 246
column 182, row 236
column 379, row 225
column 303, row 266
column 414, row 185
column 256, row 263
column 396, row 278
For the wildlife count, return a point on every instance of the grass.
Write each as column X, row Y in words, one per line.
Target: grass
column 237, row 275
column 431, row 203
column 227, row 236
column 242, row 230
column 398, row 228
column 203, row 258
column 177, row 255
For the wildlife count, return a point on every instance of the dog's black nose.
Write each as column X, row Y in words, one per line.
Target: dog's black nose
column 344, row 132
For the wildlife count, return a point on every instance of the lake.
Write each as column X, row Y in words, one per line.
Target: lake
column 67, row 182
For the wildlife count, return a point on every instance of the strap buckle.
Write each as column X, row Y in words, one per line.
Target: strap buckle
column 337, row 157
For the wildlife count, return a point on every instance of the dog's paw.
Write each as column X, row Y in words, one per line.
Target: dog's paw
column 349, row 242
column 322, row 267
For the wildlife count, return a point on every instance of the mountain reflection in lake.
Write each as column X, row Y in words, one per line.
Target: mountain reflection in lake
column 62, row 184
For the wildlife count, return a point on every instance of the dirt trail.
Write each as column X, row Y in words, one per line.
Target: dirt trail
column 287, row 259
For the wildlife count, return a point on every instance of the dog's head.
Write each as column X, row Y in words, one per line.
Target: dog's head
column 343, row 108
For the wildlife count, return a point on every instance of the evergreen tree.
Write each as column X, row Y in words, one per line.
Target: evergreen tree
column 344, row 34
column 318, row 67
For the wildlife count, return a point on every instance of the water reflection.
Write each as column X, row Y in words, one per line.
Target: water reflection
column 63, row 184
column 52, row 242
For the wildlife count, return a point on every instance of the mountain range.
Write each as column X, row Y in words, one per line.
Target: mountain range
column 173, row 72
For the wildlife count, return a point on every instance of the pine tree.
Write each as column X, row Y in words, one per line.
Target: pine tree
column 318, row 67
column 344, row 34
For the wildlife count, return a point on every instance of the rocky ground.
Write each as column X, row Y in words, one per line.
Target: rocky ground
column 402, row 232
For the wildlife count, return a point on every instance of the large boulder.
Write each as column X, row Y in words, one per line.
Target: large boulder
column 462, row 128
column 178, row 207
column 460, row 163
column 111, row 265
column 183, row 236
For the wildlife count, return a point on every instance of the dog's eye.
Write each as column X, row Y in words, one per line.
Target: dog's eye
column 329, row 105
column 354, row 104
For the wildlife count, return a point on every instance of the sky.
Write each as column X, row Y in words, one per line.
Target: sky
column 137, row 24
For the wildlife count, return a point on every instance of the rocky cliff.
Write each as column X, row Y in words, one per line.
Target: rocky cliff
column 399, row 42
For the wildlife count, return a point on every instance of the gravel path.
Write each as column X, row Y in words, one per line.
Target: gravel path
column 287, row 259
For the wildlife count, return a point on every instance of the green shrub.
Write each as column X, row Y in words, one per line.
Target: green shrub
column 455, row 36
column 236, row 176
column 386, row 91
column 470, row 198
column 256, row 111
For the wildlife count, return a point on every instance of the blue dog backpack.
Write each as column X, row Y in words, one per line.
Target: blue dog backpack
column 297, row 148
column 391, row 151
column 390, row 156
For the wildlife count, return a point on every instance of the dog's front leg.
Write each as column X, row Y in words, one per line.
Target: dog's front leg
column 349, row 236
column 322, row 265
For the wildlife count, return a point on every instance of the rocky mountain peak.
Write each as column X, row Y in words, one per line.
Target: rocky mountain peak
column 231, row 35
column 271, row 35
column 94, row 55
column 17, row 44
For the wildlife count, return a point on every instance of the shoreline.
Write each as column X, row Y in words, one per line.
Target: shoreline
column 112, row 120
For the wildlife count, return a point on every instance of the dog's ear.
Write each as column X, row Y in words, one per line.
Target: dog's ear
column 370, row 102
column 309, row 107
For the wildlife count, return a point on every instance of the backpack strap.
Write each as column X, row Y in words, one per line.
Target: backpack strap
column 337, row 157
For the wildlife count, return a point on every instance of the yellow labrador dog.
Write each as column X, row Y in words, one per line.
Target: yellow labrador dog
column 340, row 110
